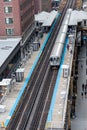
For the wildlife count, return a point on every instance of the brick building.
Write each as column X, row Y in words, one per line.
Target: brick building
column 42, row 5
column 16, row 17
column 46, row 5
column 37, row 6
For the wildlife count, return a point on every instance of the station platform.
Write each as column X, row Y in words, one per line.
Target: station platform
column 80, row 122
column 57, row 112
column 11, row 99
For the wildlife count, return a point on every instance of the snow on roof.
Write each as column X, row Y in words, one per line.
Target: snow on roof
column 6, row 48
column 42, row 16
column 77, row 16
column 46, row 18
column 50, row 19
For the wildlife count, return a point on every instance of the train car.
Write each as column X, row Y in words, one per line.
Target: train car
column 63, row 28
column 62, row 38
column 55, row 57
column 56, row 54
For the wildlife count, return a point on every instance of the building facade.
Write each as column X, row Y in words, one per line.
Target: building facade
column 46, row 5
column 16, row 17
column 37, row 6
column 42, row 5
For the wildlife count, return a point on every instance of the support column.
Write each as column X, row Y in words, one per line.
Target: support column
column 69, row 110
column 71, row 86
column 81, row 37
column 22, row 53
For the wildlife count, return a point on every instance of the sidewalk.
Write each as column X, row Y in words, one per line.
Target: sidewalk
column 80, row 123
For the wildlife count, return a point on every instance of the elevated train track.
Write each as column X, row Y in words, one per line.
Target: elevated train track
column 32, row 110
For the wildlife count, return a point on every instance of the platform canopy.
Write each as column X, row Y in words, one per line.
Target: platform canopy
column 8, row 48
column 46, row 18
column 77, row 16
column 41, row 17
column 50, row 19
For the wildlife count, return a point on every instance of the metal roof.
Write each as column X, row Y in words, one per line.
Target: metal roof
column 6, row 48
column 77, row 16
column 41, row 17
column 46, row 18
column 50, row 18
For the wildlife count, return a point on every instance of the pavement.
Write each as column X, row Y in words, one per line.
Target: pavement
column 80, row 122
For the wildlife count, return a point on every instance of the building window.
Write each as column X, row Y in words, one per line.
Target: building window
column 84, row 22
column 9, row 20
column 7, row 0
column 9, row 31
column 8, row 9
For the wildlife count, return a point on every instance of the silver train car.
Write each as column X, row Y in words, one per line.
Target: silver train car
column 56, row 54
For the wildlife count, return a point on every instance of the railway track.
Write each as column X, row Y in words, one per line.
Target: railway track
column 32, row 111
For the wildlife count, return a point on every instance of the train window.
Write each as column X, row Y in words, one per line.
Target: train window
column 57, row 59
column 51, row 59
column 84, row 22
column 54, row 58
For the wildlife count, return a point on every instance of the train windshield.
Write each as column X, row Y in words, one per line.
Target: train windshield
column 51, row 59
column 57, row 59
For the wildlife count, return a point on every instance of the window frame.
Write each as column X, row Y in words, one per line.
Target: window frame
column 9, row 31
column 8, row 20
column 8, row 9
column 7, row 0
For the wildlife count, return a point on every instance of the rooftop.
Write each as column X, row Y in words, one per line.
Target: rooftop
column 46, row 18
column 77, row 16
column 6, row 48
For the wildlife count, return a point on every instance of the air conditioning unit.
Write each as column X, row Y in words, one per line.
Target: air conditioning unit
column 66, row 70
column 2, row 108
